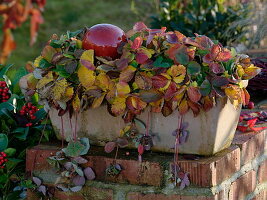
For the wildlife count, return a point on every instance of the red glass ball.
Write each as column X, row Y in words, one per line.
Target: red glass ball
column 104, row 39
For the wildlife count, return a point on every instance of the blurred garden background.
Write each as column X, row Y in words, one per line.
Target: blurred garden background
column 236, row 23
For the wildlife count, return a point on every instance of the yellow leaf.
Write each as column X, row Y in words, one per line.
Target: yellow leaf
column 177, row 72
column 87, row 56
column 124, row 130
column 123, row 89
column 102, row 81
column 45, row 80
column 86, row 77
column 250, row 72
column 76, row 103
column 59, row 89
column 97, row 101
column 118, row 106
column 37, row 61
column 68, row 94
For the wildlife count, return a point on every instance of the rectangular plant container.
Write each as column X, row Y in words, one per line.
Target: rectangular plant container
column 209, row 132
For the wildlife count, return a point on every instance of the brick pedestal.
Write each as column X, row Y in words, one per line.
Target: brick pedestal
column 239, row 172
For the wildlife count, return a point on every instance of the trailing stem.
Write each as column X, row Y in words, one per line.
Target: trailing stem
column 176, row 147
column 43, row 129
column 62, row 132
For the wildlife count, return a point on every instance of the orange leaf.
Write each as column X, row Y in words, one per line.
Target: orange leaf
column 97, row 101
column 183, row 107
column 135, row 104
column 7, row 46
column 123, row 89
column 118, row 106
column 36, row 20
column 143, row 81
column 208, row 103
column 193, row 94
column 127, row 74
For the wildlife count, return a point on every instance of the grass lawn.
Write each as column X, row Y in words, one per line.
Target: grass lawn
column 63, row 15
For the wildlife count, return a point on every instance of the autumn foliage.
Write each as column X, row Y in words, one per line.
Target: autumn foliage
column 14, row 13
column 157, row 69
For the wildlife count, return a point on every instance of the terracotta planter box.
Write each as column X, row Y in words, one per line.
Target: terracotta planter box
column 210, row 132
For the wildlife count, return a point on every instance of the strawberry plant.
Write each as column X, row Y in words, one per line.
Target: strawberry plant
column 157, row 71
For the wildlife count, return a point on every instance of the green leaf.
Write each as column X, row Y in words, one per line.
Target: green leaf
column 7, row 113
column 10, row 152
column 78, row 170
column 44, row 63
column 61, row 71
column 56, row 43
column 159, row 63
column 140, row 123
column 182, row 56
column 193, row 68
column 74, row 149
column 85, row 142
column 74, row 34
column 4, row 70
column 3, row 141
column 21, row 133
column 205, row 88
column 12, row 162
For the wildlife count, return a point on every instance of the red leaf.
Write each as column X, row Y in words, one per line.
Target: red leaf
column 195, row 107
column 251, row 123
column 258, row 128
column 216, row 68
column 203, row 41
column 141, row 58
column 242, row 128
column 193, row 94
column 224, row 56
column 159, row 81
column 137, row 43
column 109, row 147
column 140, row 149
column 167, row 108
column 215, row 50
column 171, row 90
column 207, row 58
column 139, row 26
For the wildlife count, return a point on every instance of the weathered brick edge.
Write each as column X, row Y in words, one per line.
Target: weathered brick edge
column 250, row 182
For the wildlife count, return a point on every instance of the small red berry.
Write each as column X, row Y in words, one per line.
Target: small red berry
column 251, row 105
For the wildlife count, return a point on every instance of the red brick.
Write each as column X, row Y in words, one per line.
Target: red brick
column 140, row 196
column 32, row 195
column 243, row 186
column 36, row 157
column 261, row 196
column 251, row 144
column 211, row 171
column 91, row 193
column 262, row 172
column 134, row 172
column 94, row 193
